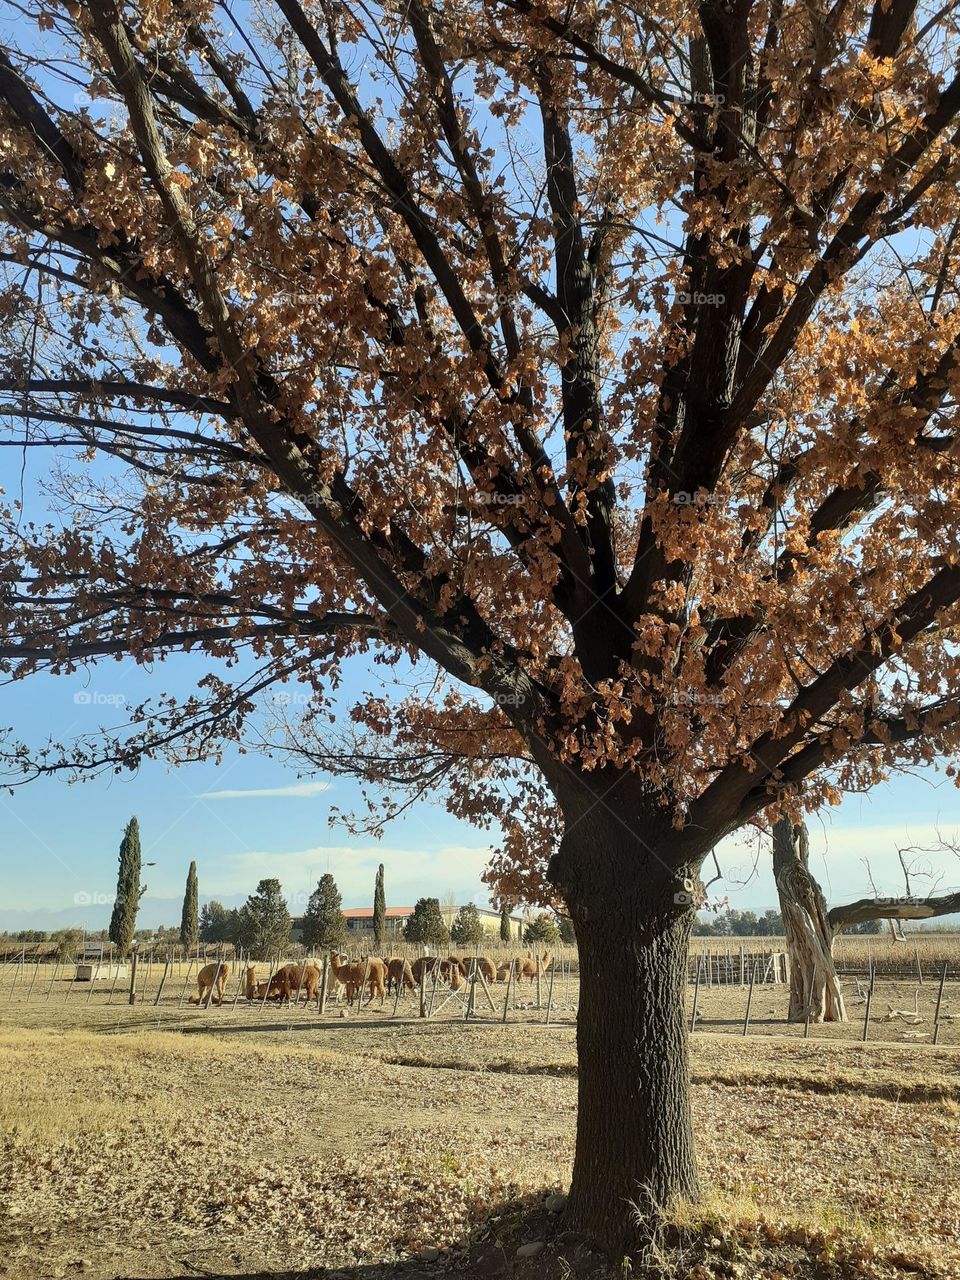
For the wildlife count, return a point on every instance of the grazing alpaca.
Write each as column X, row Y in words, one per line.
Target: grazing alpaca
column 400, row 974
column 387, row 962
column 424, row 965
column 529, row 966
column 503, row 972
column 455, row 972
column 300, row 978
column 484, row 966
column 376, row 979
column 211, row 978
column 351, row 975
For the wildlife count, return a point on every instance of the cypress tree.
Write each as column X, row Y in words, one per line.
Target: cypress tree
column 123, row 921
column 323, row 921
column 379, row 908
column 505, row 923
column 189, row 920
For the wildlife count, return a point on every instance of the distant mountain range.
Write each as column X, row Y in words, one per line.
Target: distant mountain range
column 96, row 915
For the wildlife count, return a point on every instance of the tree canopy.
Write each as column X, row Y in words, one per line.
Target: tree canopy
column 467, row 928
column 189, row 919
column 123, row 918
column 418, row 345
column 426, row 925
column 265, row 922
column 543, row 928
column 323, row 921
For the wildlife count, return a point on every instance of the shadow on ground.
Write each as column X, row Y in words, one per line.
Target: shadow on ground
column 519, row 1240
column 522, row 1240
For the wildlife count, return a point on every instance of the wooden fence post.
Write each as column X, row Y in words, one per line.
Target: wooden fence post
column 553, row 971
column 936, row 1016
column 36, row 967
column 56, row 970
column 866, row 1012
column 696, row 995
column 185, row 982
column 266, row 989
column 746, row 1016
column 436, row 982
column 324, row 978
column 133, row 976
column 16, row 972
column 506, row 1003
column 163, row 978
column 241, row 978
column 363, row 986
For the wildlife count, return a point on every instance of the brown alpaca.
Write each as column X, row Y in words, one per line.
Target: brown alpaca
column 351, row 974
column 529, row 966
column 211, row 978
column 255, row 990
column 484, row 966
column 377, row 978
column 455, row 973
column 387, row 962
column 300, row 978
column 424, row 965
column 399, row 974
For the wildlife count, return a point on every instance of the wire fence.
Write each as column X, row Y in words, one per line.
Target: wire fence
column 734, row 990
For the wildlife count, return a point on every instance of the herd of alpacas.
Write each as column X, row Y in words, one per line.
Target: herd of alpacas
column 348, row 977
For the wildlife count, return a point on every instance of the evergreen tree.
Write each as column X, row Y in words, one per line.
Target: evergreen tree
column 323, row 921
column 506, row 929
column 232, row 927
column 426, row 924
column 568, row 935
column 123, row 921
column 189, row 924
column 379, row 908
column 541, row 929
column 265, row 922
column 467, row 928
column 865, row 927
column 214, row 922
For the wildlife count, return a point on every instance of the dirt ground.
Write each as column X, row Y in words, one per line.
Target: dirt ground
column 165, row 1142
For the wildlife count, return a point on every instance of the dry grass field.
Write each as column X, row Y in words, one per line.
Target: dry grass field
column 236, row 1141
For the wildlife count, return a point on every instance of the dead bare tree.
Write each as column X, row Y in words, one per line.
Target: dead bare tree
column 811, row 927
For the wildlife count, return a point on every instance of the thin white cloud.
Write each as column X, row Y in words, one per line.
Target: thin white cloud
column 410, row 873
column 293, row 789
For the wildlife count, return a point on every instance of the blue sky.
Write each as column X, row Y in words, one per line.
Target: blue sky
column 252, row 817
column 247, row 818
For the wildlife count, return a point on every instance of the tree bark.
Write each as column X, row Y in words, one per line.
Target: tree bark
column 814, row 987
column 633, row 917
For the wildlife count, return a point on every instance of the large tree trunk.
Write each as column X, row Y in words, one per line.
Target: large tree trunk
column 814, row 987
column 634, row 1150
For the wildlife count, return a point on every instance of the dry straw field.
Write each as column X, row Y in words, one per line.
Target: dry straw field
column 169, row 1140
